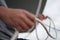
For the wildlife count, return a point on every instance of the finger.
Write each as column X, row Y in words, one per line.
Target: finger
column 42, row 17
column 20, row 29
column 22, row 24
column 9, row 22
column 30, row 15
column 27, row 21
column 17, row 26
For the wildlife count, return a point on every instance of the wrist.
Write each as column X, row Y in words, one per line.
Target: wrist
column 3, row 11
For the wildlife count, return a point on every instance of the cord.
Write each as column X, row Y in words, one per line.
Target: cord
column 37, row 13
column 52, row 27
column 15, row 35
column 49, row 28
column 44, row 28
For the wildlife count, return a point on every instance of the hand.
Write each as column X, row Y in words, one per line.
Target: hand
column 20, row 19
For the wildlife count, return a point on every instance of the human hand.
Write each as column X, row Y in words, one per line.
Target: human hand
column 20, row 19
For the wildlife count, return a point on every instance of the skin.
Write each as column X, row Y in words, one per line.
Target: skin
column 20, row 19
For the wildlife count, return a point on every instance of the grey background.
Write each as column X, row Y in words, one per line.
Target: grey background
column 30, row 5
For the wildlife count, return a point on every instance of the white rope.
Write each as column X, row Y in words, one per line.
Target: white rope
column 30, row 30
column 15, row 35
column 44, row 27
